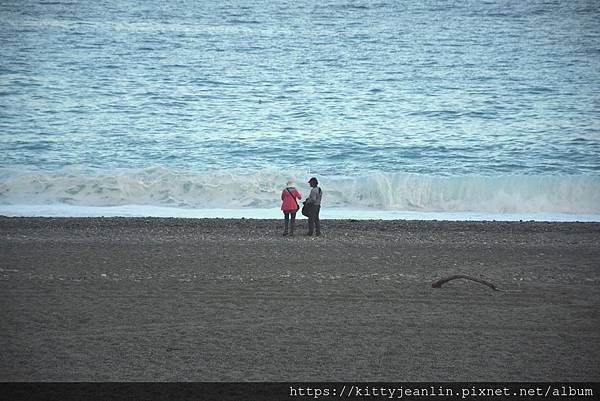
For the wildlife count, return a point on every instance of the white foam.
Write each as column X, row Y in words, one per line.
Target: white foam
column 62, row 210
column 383, row 193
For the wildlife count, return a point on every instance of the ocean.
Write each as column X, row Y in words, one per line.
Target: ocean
column 402, row 109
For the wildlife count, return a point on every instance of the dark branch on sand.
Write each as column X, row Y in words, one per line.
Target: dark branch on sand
column 438, row 284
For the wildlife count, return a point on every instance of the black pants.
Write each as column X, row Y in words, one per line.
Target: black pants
column 286, row 217
column 313, row 220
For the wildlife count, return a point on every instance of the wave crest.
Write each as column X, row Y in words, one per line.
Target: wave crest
column 160, row 186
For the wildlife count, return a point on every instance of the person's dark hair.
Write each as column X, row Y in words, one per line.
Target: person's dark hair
column 313, row 180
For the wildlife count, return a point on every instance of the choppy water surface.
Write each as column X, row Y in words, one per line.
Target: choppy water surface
column 398, row 105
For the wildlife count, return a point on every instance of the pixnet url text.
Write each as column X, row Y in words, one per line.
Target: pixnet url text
column 381, row 392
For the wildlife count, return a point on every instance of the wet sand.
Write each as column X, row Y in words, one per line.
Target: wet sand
column 127, row 299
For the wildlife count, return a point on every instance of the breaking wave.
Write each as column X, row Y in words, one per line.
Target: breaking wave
column 160, row 186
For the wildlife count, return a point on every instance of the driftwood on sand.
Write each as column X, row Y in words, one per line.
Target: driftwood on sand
column 438, row 283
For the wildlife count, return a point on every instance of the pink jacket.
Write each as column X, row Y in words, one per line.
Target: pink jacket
column 289, row 200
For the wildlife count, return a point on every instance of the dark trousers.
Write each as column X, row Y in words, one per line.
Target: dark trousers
column 286, row 218
column 313, row 220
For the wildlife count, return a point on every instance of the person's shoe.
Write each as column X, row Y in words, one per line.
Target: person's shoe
column 308, row 234
column 285, row 233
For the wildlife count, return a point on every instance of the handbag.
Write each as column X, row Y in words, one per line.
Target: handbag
column 306, row 209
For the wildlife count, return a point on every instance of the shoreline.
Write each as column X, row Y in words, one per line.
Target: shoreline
column 334, row 213
column 167, row 299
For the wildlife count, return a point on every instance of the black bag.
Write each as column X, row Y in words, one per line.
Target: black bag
column 306, row 209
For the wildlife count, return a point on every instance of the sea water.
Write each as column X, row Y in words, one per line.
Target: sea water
column 402, row 109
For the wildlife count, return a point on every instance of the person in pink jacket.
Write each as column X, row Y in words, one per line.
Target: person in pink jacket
column 289, row 205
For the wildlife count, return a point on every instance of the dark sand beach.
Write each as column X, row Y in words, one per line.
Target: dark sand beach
column 132, row 299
